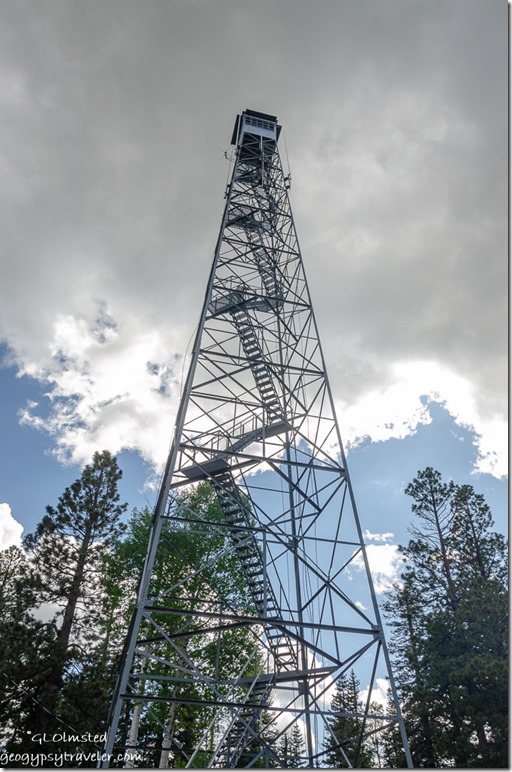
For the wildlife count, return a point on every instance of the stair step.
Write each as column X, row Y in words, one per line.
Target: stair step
column 257, row 583
column 253, row 569
column 254, row 586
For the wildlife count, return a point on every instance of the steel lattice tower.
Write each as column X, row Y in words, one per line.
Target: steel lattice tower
column 256, row 434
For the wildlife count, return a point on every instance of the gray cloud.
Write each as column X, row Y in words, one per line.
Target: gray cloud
column 114, row 122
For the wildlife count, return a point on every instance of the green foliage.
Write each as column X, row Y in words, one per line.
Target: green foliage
column 21, row 637
column 67, row 599
column 292, row 749
column 196, row 572
column 345, row 744
column 54, row 632
column 449, row 618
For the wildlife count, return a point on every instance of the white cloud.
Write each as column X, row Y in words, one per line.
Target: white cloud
column 493, row 446
column 117, row 387
column 369, row 536
column 10, row 529
column 379, row 692
column 395, row 409
column 385, row 563
column 113, row 185
column 108, row 388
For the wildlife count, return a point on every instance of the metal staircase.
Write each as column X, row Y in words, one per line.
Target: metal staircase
column 254, row 568
column 237, row 515
column 261, row 371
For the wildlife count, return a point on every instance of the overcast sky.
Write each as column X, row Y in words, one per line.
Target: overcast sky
column 115, row 118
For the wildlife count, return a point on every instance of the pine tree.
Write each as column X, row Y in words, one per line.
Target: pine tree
column 449, row 617
column 21, row 637
column 420, row 704
column 292, row 749
column 65, row 556
column 430, row 549
column 345, row 743
column 481, row 553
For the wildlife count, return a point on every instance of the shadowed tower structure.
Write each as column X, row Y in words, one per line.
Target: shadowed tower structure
column 273, row 601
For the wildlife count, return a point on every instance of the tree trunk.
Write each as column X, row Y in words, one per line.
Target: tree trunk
column 166, row 742
column 169, row 729
column 135, row 722
column 54, row 680
column 53, row 683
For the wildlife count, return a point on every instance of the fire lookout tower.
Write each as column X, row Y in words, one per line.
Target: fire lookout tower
column 274, row 602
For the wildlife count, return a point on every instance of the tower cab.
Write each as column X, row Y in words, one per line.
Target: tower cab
column 255, row 134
